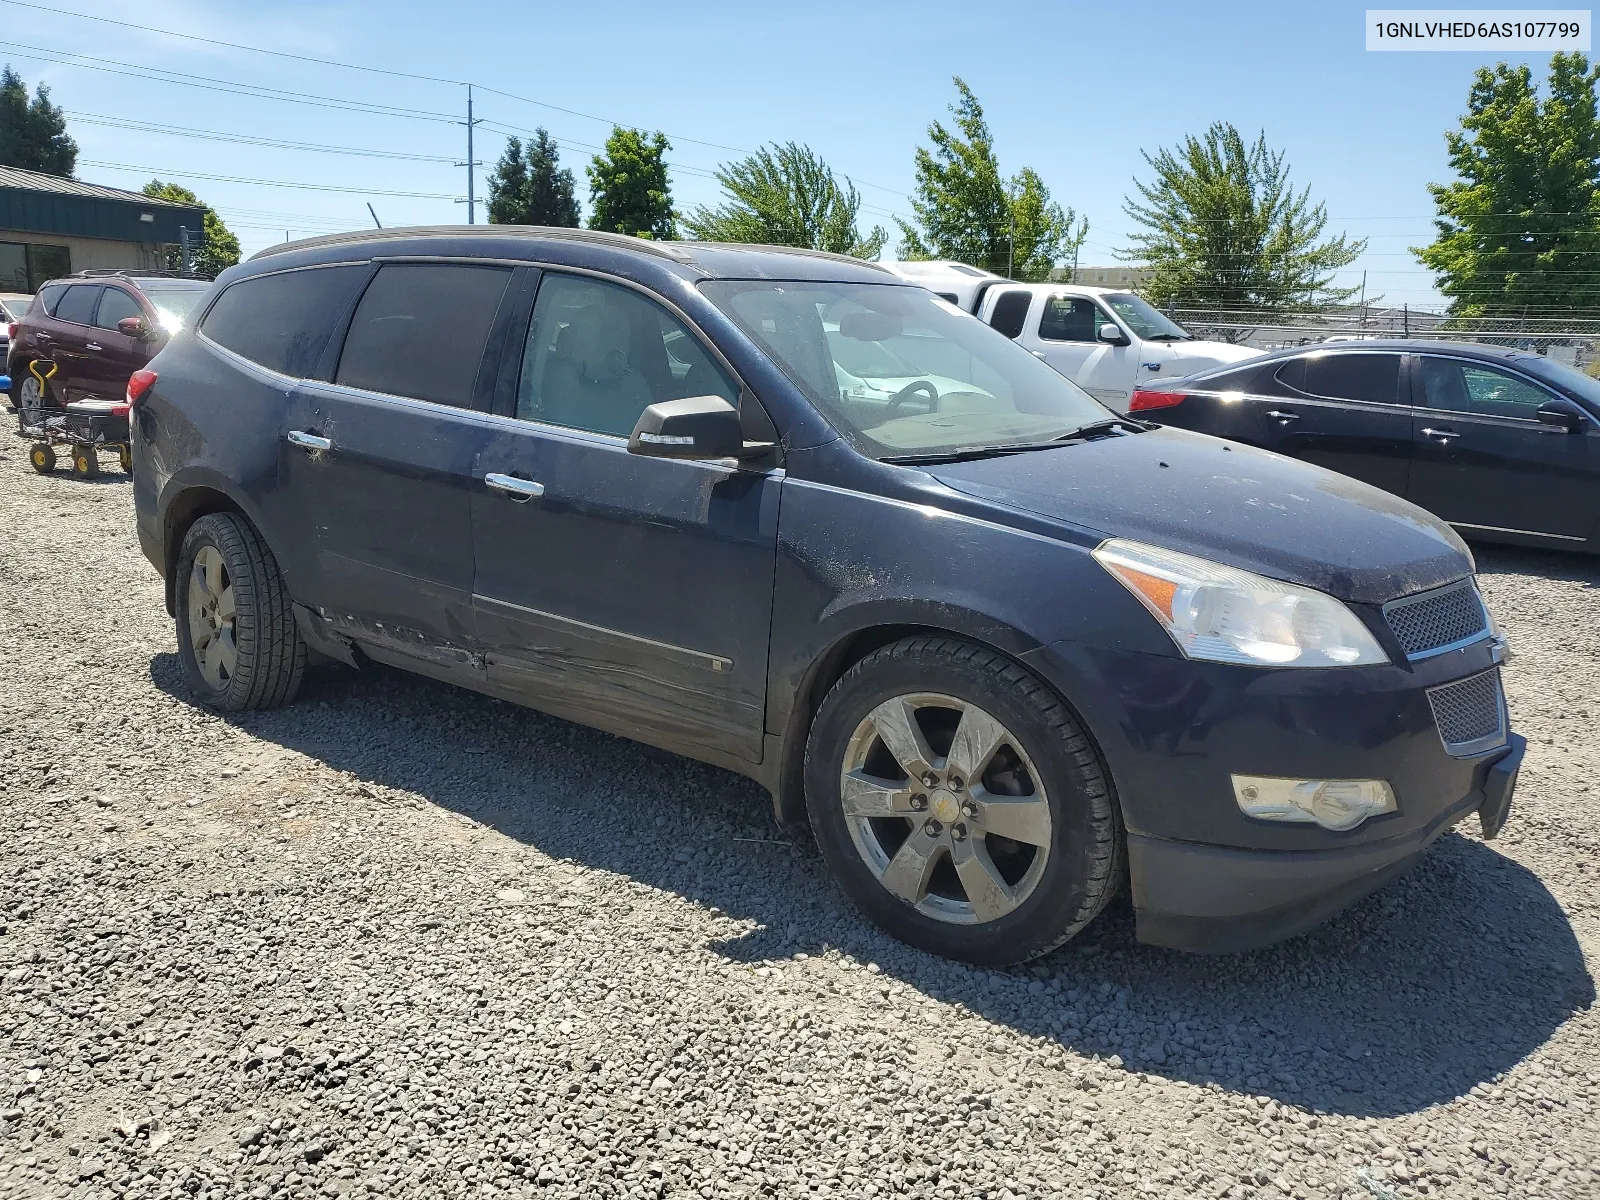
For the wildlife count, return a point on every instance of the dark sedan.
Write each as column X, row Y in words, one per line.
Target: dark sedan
column 1503, row 444
column 1001, row 646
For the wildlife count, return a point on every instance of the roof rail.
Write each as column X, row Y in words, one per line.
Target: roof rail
column 115, row 272
column 803, row 251
column 596, row 236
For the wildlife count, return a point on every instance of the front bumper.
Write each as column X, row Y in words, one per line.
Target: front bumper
column 1218, row 899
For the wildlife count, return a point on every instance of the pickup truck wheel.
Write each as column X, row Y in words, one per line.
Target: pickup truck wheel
column 237, row 635
column 960, row 804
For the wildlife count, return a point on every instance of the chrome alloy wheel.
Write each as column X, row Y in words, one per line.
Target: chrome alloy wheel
column 945, row 807
column 30, row 400
column 211, row 618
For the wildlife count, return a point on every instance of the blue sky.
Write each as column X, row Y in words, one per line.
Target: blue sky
column 1074, row 90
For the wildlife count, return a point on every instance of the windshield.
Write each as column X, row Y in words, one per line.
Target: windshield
column 1563, row 376
column 1146, row 323
column 899, row 372
column 174, row 301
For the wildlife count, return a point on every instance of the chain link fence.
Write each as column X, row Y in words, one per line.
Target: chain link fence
column 1572, row 337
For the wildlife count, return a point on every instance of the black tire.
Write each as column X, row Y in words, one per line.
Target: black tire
column 270, row 655
column 85, row 462
column 43, row 458
column 1084, row 865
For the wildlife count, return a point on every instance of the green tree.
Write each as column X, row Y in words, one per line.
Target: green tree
column 1224, row 228
column 529, row 187
column 628, row 188
column 967, row 211
column 33, row 134
column 218, row 248
column 1520, row 227
column 786, row 196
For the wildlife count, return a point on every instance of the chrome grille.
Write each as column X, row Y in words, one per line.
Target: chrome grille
column 1435, row 621
column 1470, row 713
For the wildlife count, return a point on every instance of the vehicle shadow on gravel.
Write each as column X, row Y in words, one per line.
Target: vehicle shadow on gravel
column 1547, row 564
column 1441, row 981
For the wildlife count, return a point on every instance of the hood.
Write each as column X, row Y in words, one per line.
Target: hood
column 1232, row 504
column 1189, row 357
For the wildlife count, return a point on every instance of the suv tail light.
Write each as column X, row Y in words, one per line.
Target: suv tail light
column 139, row 383
column 1143, row 400
column 11, row 331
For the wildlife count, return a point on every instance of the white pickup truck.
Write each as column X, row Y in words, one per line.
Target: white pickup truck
column 1108, row 342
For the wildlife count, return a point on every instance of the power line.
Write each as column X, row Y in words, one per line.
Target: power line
column 309, row 187
column 244, row 139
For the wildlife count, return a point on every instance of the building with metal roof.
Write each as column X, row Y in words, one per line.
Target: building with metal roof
column 51, row 226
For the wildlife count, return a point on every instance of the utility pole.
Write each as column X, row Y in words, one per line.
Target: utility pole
column 471, row 164
column 1363, row 301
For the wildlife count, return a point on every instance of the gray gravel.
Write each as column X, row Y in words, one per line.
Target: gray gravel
column 401, row 940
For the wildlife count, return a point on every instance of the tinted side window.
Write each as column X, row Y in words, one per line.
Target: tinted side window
column 283, row 321
column 1458, row 386
column 1292, row 375
column 599, row 354
column 115, row 304
column 1374, row 378
column 48, row 297
column 420, row 330
column 1070, row 319
column 78, row 304
column 1010, row 312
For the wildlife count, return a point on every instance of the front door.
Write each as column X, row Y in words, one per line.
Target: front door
column 379, row 461
column 1066, row 334
column 112, row 355
column 1345, row 411
column 627, row 592
column 1483, row 462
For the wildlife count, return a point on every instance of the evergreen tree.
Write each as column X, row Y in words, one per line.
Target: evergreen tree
column 33, row 134
column 1520, row 227
column 1224, row 228
column 213, row 248
column 529, row 187
column 967, row 211
column 786, row 196
column 628, row 188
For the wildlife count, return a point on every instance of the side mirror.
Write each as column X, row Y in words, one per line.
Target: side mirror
column 1110, row 333
column 134, row 327
column 1563, row 414
column 697, row 427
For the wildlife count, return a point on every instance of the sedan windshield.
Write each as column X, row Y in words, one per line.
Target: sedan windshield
column 1146, row 322
column 900, row 373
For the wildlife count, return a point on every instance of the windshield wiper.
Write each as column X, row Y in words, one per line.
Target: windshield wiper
column 955, row 456
column 1096, row 428
column 1170, row 337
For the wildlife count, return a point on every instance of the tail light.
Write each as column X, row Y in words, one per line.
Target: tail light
column 139, row 383
column 1143, row 400
column 11, row 331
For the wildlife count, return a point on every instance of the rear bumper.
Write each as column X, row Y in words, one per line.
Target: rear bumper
column 1216, row 899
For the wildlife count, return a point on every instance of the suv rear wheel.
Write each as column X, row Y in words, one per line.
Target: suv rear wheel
column 237, row 635
column 960, row 804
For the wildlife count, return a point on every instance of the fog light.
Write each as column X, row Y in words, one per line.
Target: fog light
column 1336, row 804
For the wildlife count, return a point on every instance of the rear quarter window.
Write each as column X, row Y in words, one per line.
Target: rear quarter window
column 283, row 321
column 48, row 298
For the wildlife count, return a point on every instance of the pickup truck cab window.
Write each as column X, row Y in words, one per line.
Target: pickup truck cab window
column 1011, row 312
column 1070, row 319
column 420, row 331
column 598, row 354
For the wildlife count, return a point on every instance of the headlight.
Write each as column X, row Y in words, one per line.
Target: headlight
column 1223, row 614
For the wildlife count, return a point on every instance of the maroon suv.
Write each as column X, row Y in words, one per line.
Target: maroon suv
column 89, row 332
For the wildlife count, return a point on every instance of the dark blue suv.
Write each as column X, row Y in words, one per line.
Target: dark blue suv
column 782, row 512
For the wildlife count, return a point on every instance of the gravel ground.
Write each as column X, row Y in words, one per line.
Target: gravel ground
column 401, row 940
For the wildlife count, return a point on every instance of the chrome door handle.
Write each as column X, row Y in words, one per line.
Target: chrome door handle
column 518, row 489
column 1444, row 435
column 91, row 346
column 309, row 441
column 1278, row 414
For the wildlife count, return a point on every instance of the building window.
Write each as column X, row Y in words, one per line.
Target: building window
column 27, row 266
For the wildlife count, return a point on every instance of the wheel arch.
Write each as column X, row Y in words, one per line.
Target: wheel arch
column 850, row 647
column 191, row 500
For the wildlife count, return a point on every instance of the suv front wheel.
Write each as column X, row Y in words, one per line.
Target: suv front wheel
column 960, row 804
column 237, row 635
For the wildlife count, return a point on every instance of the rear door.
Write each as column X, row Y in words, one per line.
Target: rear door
column 1347, row 411
column 69, row 334
column 1483, row 462
column 628, row 592
column 379, row 458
